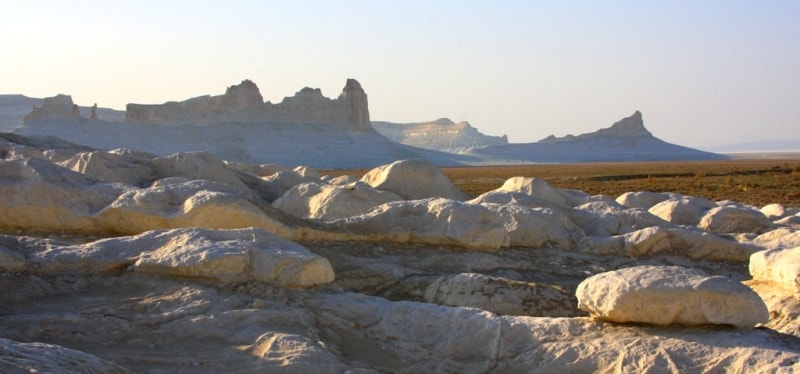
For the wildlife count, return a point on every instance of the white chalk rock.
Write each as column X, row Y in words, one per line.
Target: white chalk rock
column 781, row 266
column 774, row 212
column 536, row 227
column 283, row 181
column 665, row 295
column 430, row 221
column 643, row 199
column 413, row 179
column 784, row 237
column 329, row 202
column 340, row 180
column 38, row 195
column 731, row 219
column 205, row 166
column 604, row 218
column 686, row 210
column 514, row 198
column 176, row 203
column 536, row 187
column 110, row 168
column 694, row 245
column 232, row 255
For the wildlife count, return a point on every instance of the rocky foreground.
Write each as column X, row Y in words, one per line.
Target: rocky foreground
column 123, row 261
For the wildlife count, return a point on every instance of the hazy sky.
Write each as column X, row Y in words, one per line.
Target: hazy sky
column 703, row 73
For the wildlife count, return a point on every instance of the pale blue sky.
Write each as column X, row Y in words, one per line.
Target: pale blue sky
column 703, row 73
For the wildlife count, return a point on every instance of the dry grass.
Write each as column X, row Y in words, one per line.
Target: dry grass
column 754, row 182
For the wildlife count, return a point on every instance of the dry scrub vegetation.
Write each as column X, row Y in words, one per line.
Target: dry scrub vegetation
column 754, row 182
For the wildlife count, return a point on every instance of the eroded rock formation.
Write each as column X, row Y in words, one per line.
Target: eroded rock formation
column 243, row 103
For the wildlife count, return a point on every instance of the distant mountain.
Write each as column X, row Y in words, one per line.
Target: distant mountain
column 625, row 140
column 441, row 135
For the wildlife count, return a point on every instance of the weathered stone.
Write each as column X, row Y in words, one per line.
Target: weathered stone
column 781, row 266
column 232, row 255
column 110, row 168
column 686, row 210
column 413, row 179
column 664, row 295
column 59, row 107
column 643, row 199
column 329, row 202
column 729, row 219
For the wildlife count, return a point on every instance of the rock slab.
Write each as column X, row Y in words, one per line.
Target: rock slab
column 665, row 295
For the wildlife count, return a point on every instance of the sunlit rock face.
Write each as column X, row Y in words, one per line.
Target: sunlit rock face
column 243, row 103
column 441, row 135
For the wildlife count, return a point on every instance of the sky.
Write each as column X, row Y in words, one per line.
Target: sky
column 703, row 73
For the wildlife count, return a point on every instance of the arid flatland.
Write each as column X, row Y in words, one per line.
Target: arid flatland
column 754, row 182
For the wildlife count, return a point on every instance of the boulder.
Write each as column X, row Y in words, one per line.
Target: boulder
column 665, row 295
column 774, row 212
column 732, row 219
column 784, row 237
column 205, row 166
column 686, row 210
column 110, row 168
column 515, row 198
column 536, row 187
column 428, row 221
column 536, row 227
column 643, row 199
column 413, row 179
column 329, row 202
column 177, row 202
column 231, row 255
column 283, row 181
column 781, row 266
column 340, row 180
column 604, row 218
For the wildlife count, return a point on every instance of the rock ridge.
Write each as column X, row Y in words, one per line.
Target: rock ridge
column 243, row 103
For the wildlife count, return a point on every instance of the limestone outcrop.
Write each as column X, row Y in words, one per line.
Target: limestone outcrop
column 670, row 295
column 243, row 103
column 59, row 107
column 441, row 135
column 413, row 179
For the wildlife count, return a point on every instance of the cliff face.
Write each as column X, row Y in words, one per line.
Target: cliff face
column 243, row 103
column 59, row 107
column 441, row 135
